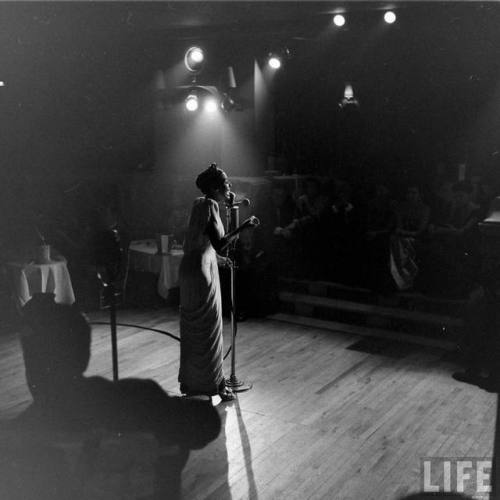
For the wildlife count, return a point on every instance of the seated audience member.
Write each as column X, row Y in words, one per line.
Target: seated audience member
column 308, row 231
column 256, row 278
column 106, row 244
column 465, row 214
column 453, row 244
column 442, row 203
column 341, row 230
column 177, row 221
column 380, row 223
column 479, row 343
column 279, row 214
column 283, row 207
column 312, row 202
column 412, row 219
column 482, row 196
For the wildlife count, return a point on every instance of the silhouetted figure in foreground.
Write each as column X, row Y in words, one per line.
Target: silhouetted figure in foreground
column 56, row 349
column 114, row 422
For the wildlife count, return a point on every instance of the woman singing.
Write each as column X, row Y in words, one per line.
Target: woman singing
column 200, row 296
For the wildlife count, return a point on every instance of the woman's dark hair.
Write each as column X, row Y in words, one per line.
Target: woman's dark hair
column 210, row 178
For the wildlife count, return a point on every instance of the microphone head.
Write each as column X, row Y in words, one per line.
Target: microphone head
column 231, row 202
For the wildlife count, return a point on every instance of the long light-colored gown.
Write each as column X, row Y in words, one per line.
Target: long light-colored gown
column 200, row 302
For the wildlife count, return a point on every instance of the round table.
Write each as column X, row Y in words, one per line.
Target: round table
column 30, row 278
column 144, row 256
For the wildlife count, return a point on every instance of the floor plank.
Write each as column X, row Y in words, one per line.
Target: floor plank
column 322, row 421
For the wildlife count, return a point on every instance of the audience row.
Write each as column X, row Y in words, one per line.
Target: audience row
column 374, row 240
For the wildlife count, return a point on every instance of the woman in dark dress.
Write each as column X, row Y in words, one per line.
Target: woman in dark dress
column 200, row 294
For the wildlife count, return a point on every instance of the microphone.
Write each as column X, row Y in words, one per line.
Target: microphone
column 252, row 221
column 230, row 201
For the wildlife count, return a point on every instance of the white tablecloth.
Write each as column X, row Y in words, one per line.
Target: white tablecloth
column 144, row 256
column 31, row 278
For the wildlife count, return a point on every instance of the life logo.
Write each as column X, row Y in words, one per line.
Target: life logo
column 468, row 475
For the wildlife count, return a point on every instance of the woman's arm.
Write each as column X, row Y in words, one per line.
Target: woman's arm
column 220, row 243
column 230, row 237
column 213, row 232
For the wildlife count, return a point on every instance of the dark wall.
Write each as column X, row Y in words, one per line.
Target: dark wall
column 79, row 107
column 76, row 117
column 74, row 89
column 79, row 102
column 428, row 88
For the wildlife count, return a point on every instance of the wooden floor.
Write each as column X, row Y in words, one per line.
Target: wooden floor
column 323, row 421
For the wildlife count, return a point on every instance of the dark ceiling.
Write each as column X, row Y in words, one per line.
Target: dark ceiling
column 205, row 18
column 76, row 69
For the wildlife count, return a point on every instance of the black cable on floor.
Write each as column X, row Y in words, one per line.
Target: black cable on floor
column 140, row 327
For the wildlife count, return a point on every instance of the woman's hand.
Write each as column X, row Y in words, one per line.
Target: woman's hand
column 252, row 221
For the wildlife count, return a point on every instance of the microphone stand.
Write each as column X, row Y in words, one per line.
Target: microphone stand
column 232, row 222
column 110, row 293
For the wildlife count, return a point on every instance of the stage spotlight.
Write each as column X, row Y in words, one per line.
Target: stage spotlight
column 196, row 55
column 211, row 105
column 339, row 20
column 193, row 59
column 274, row 62
column 192, row 102
column 349, row 101
column 389, row 17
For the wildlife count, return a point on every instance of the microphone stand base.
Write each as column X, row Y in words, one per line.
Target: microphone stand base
column 237, row 385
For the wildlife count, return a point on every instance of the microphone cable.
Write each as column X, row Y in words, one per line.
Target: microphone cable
column 157, row 330
column 139, row 327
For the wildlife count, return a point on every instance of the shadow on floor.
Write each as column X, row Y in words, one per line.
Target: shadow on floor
column 123, row 440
